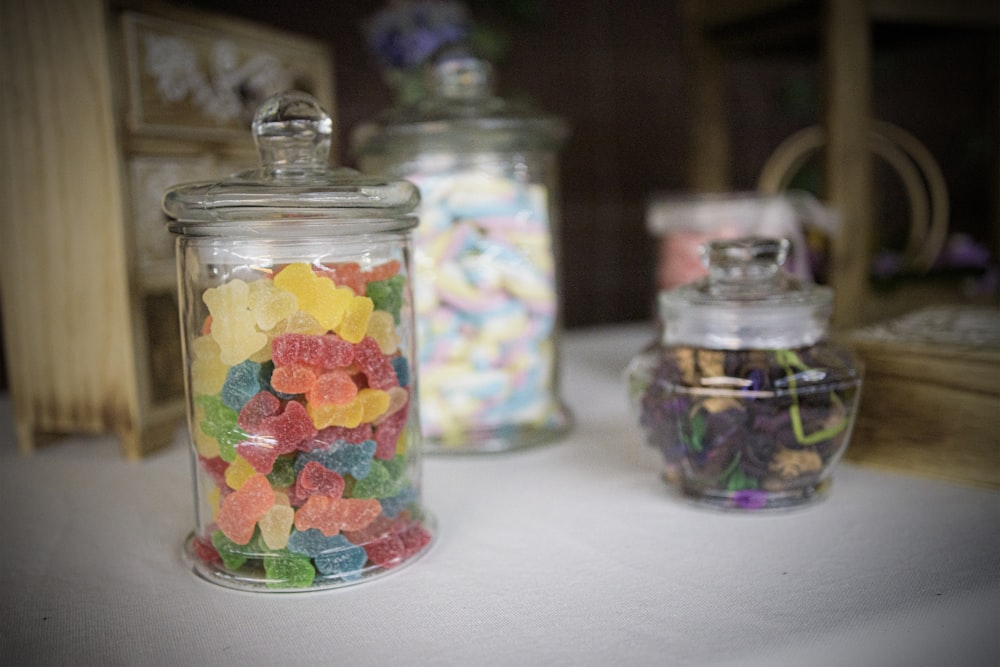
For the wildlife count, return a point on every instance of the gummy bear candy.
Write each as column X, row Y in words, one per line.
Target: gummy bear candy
column 233, row 325
column 293, row 379
column 355, row 435
column 369, row 358
column 287, row 570
column 355, row 323
column 331, row 515
column 315, row 479
column 346, row 275
column 328, row 351
column 220, row 422
column 263, row 404
column 208, row 373
column 387, row 434
column 241, row 509
column 282, row 473
column 382, row 271
column 288, row 429
column 232, row 556
column 269, row 304
column 342, row 457
column 380, row 482
column 333, row 387
column 242, row 383
column 238, row 472
column 316, row 295
column 276, row 525
column 383, row 330
column 387, row 295
column 332, row 555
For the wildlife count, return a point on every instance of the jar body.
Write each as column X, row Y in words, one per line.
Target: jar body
column 486, row 297
column 747, row 429
column 302, row 410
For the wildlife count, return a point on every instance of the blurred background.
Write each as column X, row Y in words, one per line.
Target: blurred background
column 622, row 75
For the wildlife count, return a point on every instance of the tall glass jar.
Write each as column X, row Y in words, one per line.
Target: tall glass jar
column 486, row 277
column 298, row 334
column 747, row 397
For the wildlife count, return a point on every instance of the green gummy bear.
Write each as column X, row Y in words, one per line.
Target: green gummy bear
column 233, row 557
column 287, row 570
column 387, row 294
column 282, row 475
column 221, row 423
column 384, row 480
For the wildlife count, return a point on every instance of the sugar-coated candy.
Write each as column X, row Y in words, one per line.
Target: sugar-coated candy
column 233, row 557
column 382, row 271
column 354, row 324
column 326, row 351
column 334, row 387
column 241, row 509
column 288, row 429
column 402, row 370
column 220, row 422
column 342, row 457
column 287, row 570
column 316, row 479
column 208, row 373
column 332, row 515
column 398, row 399
column 382, row 481
column 215, row 467
column 337, row 415
column 205, row 550
column 387, row 551
column 370, row 360
column 233, row 324
column 238, row 472
column 355, row 435
column 316, row 295
column 387, row 434
column 263, row 404
column 387, row 295
column 393, row 505
column 282, row 473
column 345, row 560
column 269, row 304
column 276, row 525
column 333, row 555
column 242, row 383
column 293, row 379
column 347, row 274
column 374, row 403
column 382, row 328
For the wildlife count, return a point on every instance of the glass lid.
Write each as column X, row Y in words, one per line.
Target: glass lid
column 293, row 186
column 746, row 302
column 461, row 107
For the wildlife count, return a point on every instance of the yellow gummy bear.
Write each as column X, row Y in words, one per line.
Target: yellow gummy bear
column 355, row 322
column 238, row 472
column 348, row 415
column 316, row 295
column 276, row 526
column 213, row 498
column 269, row 304
column 233, row 324
column 382, row 329
column 208, row 373
column 374, row 402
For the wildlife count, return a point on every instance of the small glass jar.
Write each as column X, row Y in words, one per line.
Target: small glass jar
column 297, row 319
column 486, row 295
column 749, row 401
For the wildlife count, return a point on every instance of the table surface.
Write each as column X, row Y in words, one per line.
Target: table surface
column 573, row 553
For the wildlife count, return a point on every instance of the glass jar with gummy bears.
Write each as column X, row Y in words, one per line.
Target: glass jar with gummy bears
column 297, row 319
column 748, row 399
column 486, row 295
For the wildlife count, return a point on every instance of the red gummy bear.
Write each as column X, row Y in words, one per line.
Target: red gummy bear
column 263, row 404
column 376, row 367
column 316, row 479
column 276, row 435
column 328, row 351
column 333, row 388
column 293, row 379
column 240, row 510
column 387, row 434
column 353, row 436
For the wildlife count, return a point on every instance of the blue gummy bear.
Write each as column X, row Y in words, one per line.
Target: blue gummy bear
column 402, row 368
column 342, row 457
column 332, row 555
column 242, row 384
column 392, row 506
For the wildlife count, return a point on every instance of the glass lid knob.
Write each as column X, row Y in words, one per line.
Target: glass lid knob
column 293, row 135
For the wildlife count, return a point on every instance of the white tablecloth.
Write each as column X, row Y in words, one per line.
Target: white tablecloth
column 569, row 554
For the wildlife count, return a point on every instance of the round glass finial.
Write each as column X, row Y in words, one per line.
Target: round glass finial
column 745, row 259
column 293, row 135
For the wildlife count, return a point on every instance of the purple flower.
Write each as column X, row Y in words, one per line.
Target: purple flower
column 408, row 32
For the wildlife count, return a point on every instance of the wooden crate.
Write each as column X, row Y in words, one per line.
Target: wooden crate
column 105, row 105
column 931, row 398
